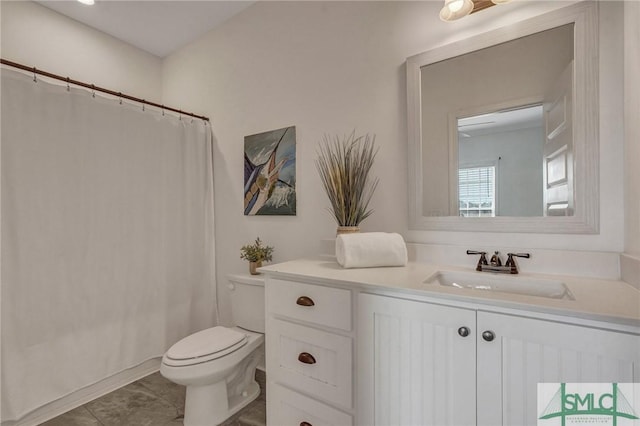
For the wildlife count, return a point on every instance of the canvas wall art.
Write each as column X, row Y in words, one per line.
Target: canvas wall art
column 270, row 173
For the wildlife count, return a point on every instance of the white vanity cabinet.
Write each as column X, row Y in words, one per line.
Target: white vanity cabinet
column 309, row 354
column 430, row 364
column 527, row 351
column 416, row 363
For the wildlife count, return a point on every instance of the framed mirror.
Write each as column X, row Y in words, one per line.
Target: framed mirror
column 503, row 128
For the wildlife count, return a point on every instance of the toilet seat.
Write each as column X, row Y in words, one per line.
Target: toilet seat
column 204, row 346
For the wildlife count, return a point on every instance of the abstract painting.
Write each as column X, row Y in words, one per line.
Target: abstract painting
column 270, row 173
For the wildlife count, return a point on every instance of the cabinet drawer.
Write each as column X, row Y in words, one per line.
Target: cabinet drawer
column 312, row 361
column 331, row 306
column 289, row 408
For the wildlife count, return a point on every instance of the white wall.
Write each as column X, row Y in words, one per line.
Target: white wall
column 632, row 127
column 33, row 35
column 330, row 67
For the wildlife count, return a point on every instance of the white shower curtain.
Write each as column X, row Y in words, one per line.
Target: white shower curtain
column 107, row 238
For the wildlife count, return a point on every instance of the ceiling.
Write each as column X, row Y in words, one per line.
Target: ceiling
column 518, row 118
column 158, row 27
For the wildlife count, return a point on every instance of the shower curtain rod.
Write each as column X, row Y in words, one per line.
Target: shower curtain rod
column 99, row 89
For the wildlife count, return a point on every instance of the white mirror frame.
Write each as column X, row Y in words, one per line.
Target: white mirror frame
column 586, row 218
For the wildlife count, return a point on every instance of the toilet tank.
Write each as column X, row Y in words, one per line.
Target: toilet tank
column 247, row 301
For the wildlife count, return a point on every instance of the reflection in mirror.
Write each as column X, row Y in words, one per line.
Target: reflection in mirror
column 499, row 163
column 542, row 177
column 487, row 84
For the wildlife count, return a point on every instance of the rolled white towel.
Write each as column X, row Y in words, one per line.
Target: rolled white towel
column 371, row 249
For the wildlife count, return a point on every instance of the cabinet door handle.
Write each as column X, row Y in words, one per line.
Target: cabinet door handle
column 488, row 335
column 306, row 358
column 463, row 331
column 304, row 301
column 305, row 424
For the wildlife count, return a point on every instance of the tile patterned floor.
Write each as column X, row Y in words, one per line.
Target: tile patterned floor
column 151, row 401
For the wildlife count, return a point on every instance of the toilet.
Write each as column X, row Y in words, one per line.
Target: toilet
column 218, row 365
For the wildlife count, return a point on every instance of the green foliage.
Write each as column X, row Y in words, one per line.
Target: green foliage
column 344, row 166
column 256, row 252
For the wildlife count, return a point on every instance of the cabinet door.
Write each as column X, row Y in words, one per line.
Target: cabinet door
column 525, row 352
column 414, row 367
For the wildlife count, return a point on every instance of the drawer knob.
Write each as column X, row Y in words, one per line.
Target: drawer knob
column 305, row 301
column 463, row 331
column 305, row 424
column 306, row 358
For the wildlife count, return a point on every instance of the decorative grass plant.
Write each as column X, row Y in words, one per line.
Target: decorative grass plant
column 344, row 166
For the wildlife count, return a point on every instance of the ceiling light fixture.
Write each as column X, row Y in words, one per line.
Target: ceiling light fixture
column 456, row 9
column 500, row 1
column 87, row 2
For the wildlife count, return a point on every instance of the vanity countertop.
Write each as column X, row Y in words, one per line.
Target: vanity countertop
column 595, row 299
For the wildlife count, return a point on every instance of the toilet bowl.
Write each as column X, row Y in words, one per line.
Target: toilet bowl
column 217, row 365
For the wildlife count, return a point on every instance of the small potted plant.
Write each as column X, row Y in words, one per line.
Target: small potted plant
column 256, row 254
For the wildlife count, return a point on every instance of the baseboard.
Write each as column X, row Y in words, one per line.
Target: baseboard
column 86, row 394
column 630, row 270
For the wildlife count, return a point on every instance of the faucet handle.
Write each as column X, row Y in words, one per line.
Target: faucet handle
column 511, row 262
column 482, row 260
column 525, row 255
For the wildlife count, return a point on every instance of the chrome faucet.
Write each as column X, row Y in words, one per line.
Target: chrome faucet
column 495, row 265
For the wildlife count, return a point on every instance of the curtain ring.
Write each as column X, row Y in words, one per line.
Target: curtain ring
column 68, row 87
column 93, row 92
column 35, row 79
column 143, row 102
column 120, row 97
column 162, row 107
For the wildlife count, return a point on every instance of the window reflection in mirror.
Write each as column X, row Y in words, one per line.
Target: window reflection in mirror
column 477, row 191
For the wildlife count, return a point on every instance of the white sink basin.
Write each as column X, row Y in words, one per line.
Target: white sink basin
column 486, row 281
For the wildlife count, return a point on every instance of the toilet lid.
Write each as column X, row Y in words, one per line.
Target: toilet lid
column 206, row 342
